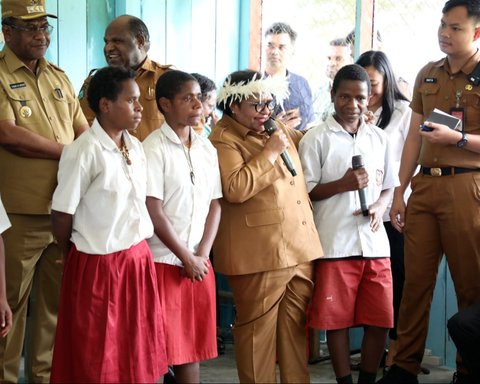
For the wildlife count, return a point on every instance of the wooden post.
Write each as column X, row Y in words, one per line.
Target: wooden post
column 365, row 31
column 255, row 52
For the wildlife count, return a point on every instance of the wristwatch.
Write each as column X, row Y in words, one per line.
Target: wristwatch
column 463, row 141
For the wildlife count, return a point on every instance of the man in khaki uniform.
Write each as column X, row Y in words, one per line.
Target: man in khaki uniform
column 39, row 114
column 127, row 42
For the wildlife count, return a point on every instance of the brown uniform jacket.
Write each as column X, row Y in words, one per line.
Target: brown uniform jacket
column 437, row 87
column 45, row 104
column 267, row 220
column 146, row 79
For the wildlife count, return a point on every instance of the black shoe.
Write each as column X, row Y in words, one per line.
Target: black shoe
column 461, row 378
column 220, row 345
column 169, row 377
column 397, row 375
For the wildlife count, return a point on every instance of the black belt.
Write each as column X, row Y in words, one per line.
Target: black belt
column 446, row 171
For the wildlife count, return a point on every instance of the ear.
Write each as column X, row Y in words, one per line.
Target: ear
column 164, row 103
column 235, row 108
column 477, row 33
column 332, row 95
column 7, row 33
column 140, row 41
column 104, row 105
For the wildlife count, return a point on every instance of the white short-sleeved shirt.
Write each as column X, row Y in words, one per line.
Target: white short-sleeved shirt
column 397, row 131
column 105, row 195
column 4, row 222
column 186, row 204
column 326, row 153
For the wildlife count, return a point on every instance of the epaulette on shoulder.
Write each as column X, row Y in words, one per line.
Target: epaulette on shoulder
column 90, row 74
column 56, row 67
column 86, row 82
column 164, row 67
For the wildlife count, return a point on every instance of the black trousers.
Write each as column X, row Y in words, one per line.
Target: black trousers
column 395, row 239
column 464, row 328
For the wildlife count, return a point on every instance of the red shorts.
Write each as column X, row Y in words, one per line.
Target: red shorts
column 350, row 292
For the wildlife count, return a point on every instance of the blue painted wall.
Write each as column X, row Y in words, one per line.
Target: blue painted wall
column 205, row 36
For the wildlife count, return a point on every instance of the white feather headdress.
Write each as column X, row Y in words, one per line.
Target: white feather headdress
column 272, row 87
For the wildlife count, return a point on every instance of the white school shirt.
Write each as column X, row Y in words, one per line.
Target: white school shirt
column 185, row 204
column 397, row 131
column 4, row 222
column 105, row 195
column 326, row 153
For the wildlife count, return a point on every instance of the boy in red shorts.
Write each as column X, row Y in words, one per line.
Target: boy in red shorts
column 353, row 281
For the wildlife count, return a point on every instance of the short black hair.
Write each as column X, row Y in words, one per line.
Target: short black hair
column 340, row 42
column 107, row 82
column 351, row 72
column 278, row 28
column 206, row 84
column 170, row 84
column 138, row 28
column 473, row 7
column 350, row 38
column 237, row 77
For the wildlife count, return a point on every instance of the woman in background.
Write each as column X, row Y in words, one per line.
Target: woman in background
column 392, row 113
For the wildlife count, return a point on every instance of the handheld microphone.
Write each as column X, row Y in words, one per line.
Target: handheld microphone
column 357, row 163
column 271, row 127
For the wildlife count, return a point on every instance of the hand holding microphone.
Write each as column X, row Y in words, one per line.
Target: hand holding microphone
column 270, row 128
column 357, row 163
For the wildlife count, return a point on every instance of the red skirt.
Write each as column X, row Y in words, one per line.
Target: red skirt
column 110, row 322
column 189, row 315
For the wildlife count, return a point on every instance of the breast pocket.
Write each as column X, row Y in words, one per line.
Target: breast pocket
column 25, row 108
column 63, row 104
column 429, row 93
column 149, row 103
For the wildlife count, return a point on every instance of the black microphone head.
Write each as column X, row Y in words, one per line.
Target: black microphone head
column 357, row 162
column 270, row 126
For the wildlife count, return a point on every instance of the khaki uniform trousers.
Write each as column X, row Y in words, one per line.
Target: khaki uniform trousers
column 30, row 261
column 443, row 216
column 270, row 324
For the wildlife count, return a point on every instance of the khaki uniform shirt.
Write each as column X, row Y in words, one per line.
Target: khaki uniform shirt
column 146, row 79
column 437, row 87
column 45, row 104
column 267, row 221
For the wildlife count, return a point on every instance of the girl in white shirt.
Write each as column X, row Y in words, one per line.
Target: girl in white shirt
column 110, row 326
column 183, row 189
column 392, row 113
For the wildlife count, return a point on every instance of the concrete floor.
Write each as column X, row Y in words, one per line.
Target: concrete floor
column 223, row 370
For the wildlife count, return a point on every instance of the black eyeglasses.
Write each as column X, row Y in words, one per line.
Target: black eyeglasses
column 33, row 29
column 259, row 107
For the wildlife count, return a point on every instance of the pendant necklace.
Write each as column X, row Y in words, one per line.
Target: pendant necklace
column 188, row 157
column 124, row 151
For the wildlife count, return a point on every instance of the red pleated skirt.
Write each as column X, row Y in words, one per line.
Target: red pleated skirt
column 189, row 315
column 110, row 322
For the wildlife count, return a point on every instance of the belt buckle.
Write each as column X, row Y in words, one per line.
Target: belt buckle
column 436, row 171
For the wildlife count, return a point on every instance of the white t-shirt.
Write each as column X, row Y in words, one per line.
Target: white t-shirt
column 185, row 204
column 326, row 153
column 397, row 130
column 4, row 222
column 105, row 195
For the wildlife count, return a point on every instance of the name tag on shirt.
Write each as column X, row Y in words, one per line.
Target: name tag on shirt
column 18, row 85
